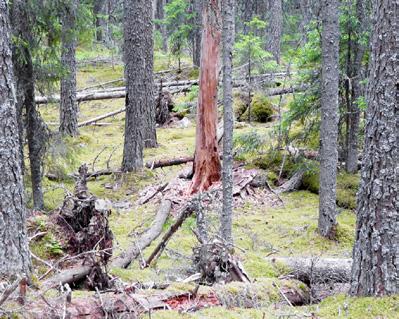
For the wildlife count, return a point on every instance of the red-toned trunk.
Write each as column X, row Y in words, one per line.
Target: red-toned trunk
column 207, row 165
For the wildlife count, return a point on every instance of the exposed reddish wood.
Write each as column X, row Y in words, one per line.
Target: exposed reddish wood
column 207, row 165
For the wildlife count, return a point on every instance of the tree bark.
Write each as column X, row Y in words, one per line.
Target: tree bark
column 98, row 10
column 140, row 108
column 376, row 253
column 160, row 15
column 228, row 9
column 356, row 90
column 68, row 105
column 197, row 8
column 275, row 29
column 329, row 119
column 37, row 133
column 14, row 251
column 150, row 134
column 207, row 163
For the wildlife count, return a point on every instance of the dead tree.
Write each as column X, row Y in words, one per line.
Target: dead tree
column 207, row 165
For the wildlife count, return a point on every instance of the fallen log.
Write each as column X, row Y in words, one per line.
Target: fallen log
column 316, row 270
column 125, row 259
column 293, row 183
column 186, row 212
column 68, row 276
column 101, row 117
column 171, row 162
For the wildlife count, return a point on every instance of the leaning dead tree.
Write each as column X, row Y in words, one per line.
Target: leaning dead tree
column 207, row 165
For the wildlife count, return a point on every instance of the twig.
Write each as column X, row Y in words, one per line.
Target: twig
column 7, row 293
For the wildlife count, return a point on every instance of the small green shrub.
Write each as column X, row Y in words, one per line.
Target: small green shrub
column 240, row 106
column 247, row 144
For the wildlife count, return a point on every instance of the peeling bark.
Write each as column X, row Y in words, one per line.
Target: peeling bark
column 207, row 163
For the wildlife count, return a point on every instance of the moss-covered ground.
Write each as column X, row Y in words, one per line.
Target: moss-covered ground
column 289, row 230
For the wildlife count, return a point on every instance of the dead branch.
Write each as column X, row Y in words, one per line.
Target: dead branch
column 68, row 276
column 171, row 162
column 9, row 290
column 124, row 260
column 186, row 212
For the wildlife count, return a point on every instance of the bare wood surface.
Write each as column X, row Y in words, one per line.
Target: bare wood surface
column 316, row 270
column 124, row 260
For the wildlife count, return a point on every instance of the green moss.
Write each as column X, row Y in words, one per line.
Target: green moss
column 262, row 108
column 357, row 308
column 347, row 186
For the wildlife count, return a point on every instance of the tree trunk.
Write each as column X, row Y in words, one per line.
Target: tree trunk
column 150, row 134
column 197, row 8
column 98, row 10
column 275, row 29
column 37, row 133
column 228, row 120
column 329, row 119
column 356, row 92
column 207, row 163
column 68, row 105
column 160, row 15
column 139, row 84
column 14, row 251
column 376, row 253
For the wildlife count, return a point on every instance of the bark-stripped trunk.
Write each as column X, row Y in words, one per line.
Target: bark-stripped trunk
column 68, row 105
column 355, row 75
column 36, row 130
column 228, row 120
column 14, row 252
column 376, row 251
column 275, row 29
column 329, row 119
column 150, row 133
column 139, row 83
column 207, row 163
column 160, row 15
column 197, row 8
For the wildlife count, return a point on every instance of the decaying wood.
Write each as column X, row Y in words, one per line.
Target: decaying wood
column 68, row 276
column 9, row 290
column 293, row 183
column 171, row 162
column 124, row 260
column 217, row 265
column 151, row 194
column 101, row 117
column 186, row 212
column 316, row 270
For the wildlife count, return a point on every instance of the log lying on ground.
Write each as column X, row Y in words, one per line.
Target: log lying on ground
column 186, row 212
column 316, row 270
column 124, row 260
column 68, row 276
column 293, row 183
column 171, row 162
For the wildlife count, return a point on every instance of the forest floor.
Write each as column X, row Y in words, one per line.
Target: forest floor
column 261, row 228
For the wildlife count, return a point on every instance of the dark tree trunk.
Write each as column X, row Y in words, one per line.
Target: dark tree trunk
column 329, row 119
column 14, row 251
column 36, row 130
column 355, row 75
column 150, row 133
column 228, row 120
column 197, row 8
column 68, row 105
column 207, row 163
column 160, row 15
column 275, row 29
column 99, row 10
column 376, row 253
column 138, row 58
